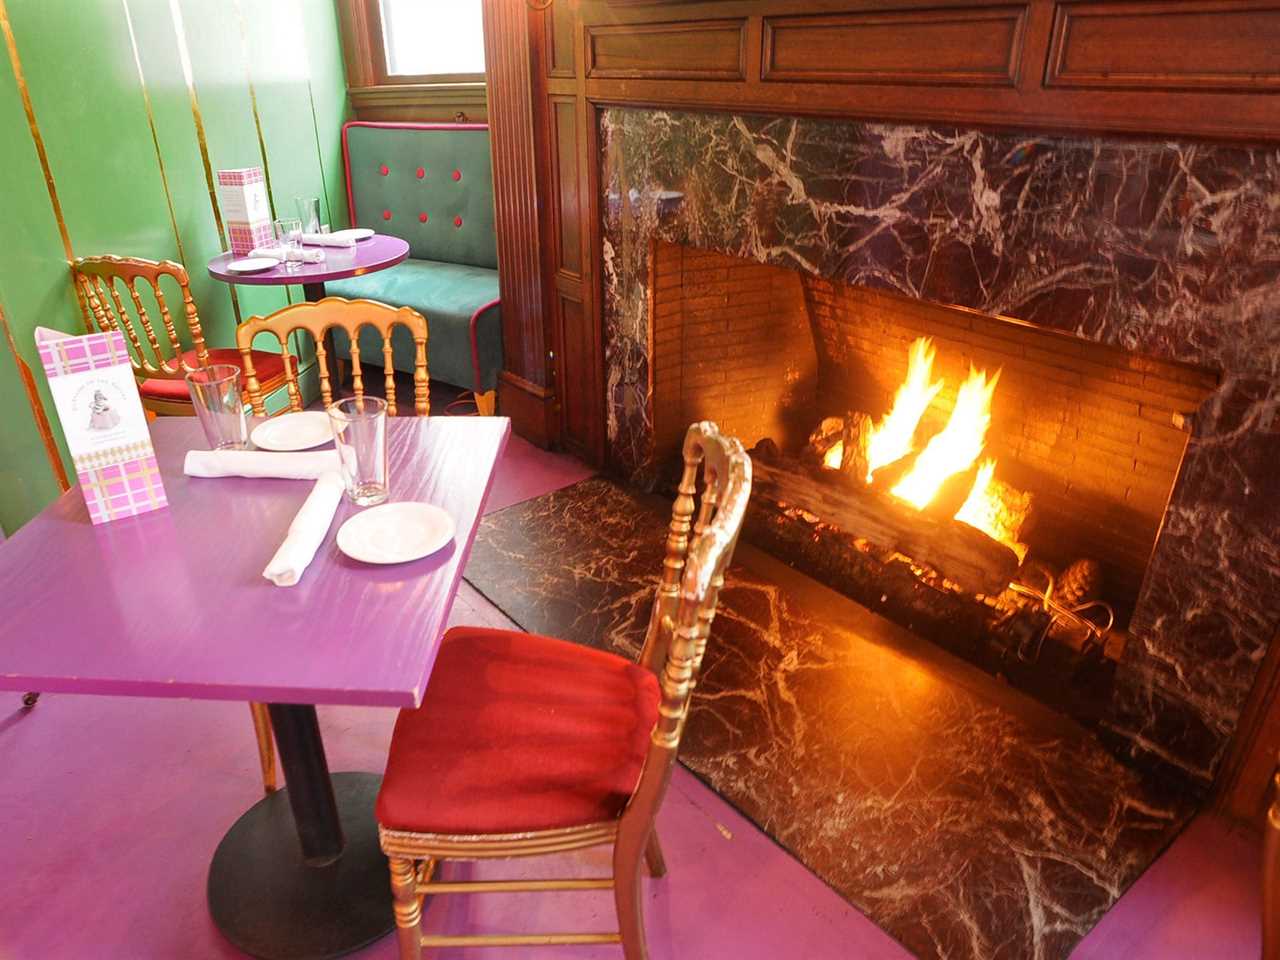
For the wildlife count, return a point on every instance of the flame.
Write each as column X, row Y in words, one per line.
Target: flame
column 996, row 509
column 892, row 438
column 957, row 447
column 834, row 456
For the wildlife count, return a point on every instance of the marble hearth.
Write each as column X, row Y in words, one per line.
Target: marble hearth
column 1168, row 250
column 964, row 818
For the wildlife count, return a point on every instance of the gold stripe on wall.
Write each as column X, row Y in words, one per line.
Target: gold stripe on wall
column 155, row 137
column 315, row 129
column 253, row 106
column 188, row 75
column 16, row 63
column 38, row 415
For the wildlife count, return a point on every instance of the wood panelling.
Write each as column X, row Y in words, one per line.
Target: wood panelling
column 1244, row 782
column 509, row 31
column 561, row 61
column 1183, row 45
column 567, row 183
column 696, row 50
column 962, row 45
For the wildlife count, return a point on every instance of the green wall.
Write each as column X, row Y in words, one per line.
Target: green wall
column 125, row 159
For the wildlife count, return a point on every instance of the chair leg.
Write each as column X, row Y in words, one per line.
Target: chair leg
column 627, row 895
column 408, row 907
column 486, row 403
column 653, row 858
column 266, row 745
column 29, row 700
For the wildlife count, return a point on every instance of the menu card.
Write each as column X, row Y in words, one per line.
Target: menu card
column 94, row 391
column 245, row 209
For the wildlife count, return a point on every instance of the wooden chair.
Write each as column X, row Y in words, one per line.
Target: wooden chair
column 318, row 319
column 528, row 745
column 160, row 361
column 160, row 368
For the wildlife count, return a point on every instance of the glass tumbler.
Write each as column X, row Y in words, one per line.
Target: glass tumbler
column 289, row 237
column 215, row 393
column 309, row 213
column 360, row 436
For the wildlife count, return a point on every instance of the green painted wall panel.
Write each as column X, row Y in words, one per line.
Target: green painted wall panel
column 90, row 97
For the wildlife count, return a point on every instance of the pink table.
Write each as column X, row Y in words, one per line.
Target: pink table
column 376, row 253
column 173, row 604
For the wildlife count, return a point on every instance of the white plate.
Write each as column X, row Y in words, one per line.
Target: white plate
column 293, row 431
column 355, row 233
column 395, row 533
column 252, row 264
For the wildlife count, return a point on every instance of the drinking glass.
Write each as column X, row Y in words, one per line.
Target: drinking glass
column 309, row 213
column 215, row 393
column 289, row 236
column 360, row 436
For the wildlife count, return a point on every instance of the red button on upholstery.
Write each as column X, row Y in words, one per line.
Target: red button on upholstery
column 386, row 214
column 457, row 174
column 384, row 169
column 422, row 218
column 422, row 172
column 457, row 221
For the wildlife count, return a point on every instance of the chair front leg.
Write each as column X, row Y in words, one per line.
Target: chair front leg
column 627, row 894
column 653, row 858
column 266, row 745
column 408, row 907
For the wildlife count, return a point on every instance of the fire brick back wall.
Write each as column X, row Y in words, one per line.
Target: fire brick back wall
column 1088, row 428
column 731, row 343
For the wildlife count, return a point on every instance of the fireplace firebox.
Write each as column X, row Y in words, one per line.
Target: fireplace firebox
column 996, row 486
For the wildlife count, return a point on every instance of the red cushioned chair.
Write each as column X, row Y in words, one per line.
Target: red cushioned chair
column 159, row 361
column 161, row 367
column 527, row 745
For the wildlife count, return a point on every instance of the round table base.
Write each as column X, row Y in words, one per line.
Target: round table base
column 269, row 903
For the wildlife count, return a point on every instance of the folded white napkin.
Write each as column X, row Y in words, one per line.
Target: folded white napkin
column 280, row 253
column 307, row 532
column 260, row 463
column 340, row 239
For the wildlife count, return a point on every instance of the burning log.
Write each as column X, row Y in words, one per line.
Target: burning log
column 962, row 554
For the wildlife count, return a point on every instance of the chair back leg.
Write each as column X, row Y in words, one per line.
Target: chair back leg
column 653, row 857
column 629, row 850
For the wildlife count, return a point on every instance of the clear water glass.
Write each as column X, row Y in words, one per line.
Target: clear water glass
column 289, row 238
column 360, row 436
column 215, row 393
column 309, row 213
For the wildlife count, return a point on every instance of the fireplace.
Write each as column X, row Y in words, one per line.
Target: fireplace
column 1119, row 285
column 1028, row 551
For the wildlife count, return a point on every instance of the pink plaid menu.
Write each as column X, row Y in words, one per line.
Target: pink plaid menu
column 245, row 208
column 91, row 379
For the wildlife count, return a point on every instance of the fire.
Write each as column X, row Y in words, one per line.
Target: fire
column 957, row 447
column 834, row 456
column 996, row 509
column 893, row 437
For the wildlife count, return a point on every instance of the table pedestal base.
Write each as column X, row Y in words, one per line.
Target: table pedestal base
column 268, row 902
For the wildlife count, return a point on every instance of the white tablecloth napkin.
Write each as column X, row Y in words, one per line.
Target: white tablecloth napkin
column 340, row 239
column 260, row 463
column 280, row 253
column 307, row 532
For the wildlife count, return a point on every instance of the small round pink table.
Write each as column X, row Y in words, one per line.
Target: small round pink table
column 369, row 256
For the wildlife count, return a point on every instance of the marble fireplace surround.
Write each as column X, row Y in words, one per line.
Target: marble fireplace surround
column 1166, row 248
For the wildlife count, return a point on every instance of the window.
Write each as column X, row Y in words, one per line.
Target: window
column 427, row 40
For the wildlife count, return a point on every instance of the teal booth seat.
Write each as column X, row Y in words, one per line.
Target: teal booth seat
column 431, row 185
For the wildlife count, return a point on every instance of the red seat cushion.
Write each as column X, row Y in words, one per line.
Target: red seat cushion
column 266, row 365
column 518, row 732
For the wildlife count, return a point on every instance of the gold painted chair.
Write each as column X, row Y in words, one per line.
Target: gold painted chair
column 318, row 319
column 160, row 368
column 528, row 745
column 160, row 361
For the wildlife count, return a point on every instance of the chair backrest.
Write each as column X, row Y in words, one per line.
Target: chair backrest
column 347, row 315
column 155, row 353
column 700, row 544
column 431, row 184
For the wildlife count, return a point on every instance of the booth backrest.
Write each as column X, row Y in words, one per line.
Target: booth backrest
column 429, row 184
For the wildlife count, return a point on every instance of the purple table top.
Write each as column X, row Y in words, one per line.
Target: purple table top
column 369, row 256
column 173, row 603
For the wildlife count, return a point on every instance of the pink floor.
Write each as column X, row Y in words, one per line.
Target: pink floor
column 110, row 810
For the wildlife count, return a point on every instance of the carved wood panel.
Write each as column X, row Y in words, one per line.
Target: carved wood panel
column 696, row 50
column 962, row 45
